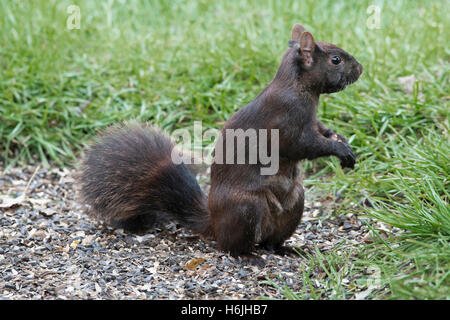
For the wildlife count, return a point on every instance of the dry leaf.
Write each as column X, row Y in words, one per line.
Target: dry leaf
column 47, row 212
column 10, row 202
column 194, row 263
column 39, row 202
column 408, row 83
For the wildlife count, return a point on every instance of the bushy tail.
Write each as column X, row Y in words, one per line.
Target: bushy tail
column 129, row 180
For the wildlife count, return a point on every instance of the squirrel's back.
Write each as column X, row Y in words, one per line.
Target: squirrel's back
column 129, row 180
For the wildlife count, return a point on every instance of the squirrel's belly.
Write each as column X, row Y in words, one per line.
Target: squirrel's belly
column 285, row 209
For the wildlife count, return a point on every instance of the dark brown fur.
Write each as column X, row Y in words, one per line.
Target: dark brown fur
column 129, row 180
column 247, row 208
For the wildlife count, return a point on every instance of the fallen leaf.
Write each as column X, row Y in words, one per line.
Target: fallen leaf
column 11, row 202
column 408, row 83
column 194, row 263
column 40, row 202
column 47, row 212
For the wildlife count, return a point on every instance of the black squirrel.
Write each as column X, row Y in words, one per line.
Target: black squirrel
column 129, row 180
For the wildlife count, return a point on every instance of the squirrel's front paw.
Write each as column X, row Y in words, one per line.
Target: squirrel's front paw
column 345, row 154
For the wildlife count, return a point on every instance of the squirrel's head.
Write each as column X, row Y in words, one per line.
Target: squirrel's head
column 321, row 66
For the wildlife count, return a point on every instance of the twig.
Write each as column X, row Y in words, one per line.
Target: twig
column 31, row 179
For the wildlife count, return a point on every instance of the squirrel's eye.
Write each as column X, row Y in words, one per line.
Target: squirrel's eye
column 336, row 60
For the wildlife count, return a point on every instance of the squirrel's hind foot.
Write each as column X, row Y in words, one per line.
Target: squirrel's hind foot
column 252, row 259
column 281, row 250
column 137, row 225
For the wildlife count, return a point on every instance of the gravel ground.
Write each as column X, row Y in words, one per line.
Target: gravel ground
column 50, row 250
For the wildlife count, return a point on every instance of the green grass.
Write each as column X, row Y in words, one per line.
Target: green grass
column 175, row 62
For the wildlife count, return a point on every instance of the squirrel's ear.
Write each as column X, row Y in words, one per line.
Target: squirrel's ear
column 307, row 47
column 297, row 31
